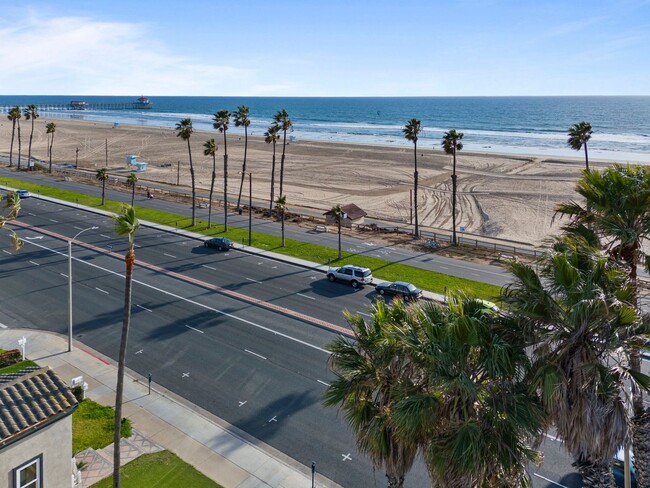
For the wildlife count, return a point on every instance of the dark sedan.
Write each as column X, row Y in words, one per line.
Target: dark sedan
column 402, row 289
column 219, row 243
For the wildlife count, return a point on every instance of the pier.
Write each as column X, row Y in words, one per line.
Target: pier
column 141, row 103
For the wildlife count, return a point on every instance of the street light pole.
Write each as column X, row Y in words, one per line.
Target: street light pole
column 70, row 284
column 250, row 206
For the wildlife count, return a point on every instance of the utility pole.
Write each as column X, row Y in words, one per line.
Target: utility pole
column 76, row 158
column 178, row 174
column 106, row 164
column 250, row 207
column 411, row 206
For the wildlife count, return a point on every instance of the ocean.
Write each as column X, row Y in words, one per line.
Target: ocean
column 513, row 125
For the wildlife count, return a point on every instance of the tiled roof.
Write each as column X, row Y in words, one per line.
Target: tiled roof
column 30, row 401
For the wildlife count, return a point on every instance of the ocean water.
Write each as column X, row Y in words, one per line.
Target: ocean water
column 516, row 125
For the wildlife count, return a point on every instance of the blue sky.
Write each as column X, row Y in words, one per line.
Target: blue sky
column 325, row 48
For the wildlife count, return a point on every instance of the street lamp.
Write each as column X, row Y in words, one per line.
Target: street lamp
column 70, row 284
column 250, row 206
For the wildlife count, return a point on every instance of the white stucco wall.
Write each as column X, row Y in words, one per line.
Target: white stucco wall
column 54, row 443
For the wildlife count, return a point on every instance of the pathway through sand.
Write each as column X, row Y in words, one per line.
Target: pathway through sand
column 504, row 196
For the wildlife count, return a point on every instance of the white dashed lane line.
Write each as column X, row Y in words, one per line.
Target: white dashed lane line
column 305, row 296
column 255, row 281
column 103, row 291
column 169, row 255
column 34, row 263
column 197, row 330
column 323, row 383
column 209, row 267
column 55, row 221
column 6, row 252
column 255, row 354
column 105, row 236
column 143, row 308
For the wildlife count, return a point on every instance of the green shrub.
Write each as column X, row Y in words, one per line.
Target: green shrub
column 8, row 358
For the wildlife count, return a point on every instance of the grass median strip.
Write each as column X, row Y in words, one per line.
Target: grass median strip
column 382, row 269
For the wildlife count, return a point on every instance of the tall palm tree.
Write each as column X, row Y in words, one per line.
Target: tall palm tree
column 281, row 207
column 282, row 119
column 131, row 180
column 126, row 224
column 466, row 400
column 184, row 130
column 221, row 122
column 577, row 310
column 411, row 131
column 50, row 128
column 14, row 115
column 271, row 137
column 617, row 213
column 102, row 175
column 337, row 213
column 369, row 375
column 210, row 149
column 12, row 204
column 579, row 135
column 31, row 113
column 241, row 120
column 20, row 143
column 451, row 144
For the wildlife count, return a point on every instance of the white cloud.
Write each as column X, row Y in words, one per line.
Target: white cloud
column 83, row 56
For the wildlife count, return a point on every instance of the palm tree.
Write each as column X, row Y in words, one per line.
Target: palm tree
column 102, row 175
column 337, row 213
column 617, row 213
column 221, row 121
column 241, row 120
column 51, row 129
column 411, row 131
column 284, row 122
column 271, row 137
column 465, row 399
column 281, row 206
column 125, row 224
column 12, row 203
column 20, row 144
column 578, row 312
column 31, row 113
column 211, row 150
column 131, row 180
column 369, row 374
column 451, row 144
column 14, row 115
column 184, row 130
column 579, row 135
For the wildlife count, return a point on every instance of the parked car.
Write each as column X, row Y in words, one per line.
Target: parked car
column 23, row 193
column 407, row 291
column 619, row 477
column 355, row 275
column 219, row 243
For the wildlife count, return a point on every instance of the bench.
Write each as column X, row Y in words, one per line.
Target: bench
column 320, row 228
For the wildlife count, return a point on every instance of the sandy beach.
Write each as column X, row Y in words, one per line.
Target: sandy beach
column 505, row 196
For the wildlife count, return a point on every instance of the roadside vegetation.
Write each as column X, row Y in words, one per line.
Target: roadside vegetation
column 427, row 280
column 159, row 470
column 92, row 426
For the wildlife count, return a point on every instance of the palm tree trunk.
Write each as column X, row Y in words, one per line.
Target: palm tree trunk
column 415, row 189
column 597, row 475
column 133, row 195
column 453, row 201
column 339, row 225
column 641, row 447
column 119, row 390
column 29, row 154
column 11, row 148
column 282, row 227
column 395, row 481
column 284, row 144
column 586, row 157
column 272, row 179
column 103, row 189
column 189, row 151
column 243, row 167
column 19, row 145
column 214, row 177
column 50, row 151
column 225, row 192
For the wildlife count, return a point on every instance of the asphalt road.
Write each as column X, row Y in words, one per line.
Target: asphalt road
column 204, row 334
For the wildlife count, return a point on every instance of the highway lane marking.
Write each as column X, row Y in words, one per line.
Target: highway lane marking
column 78, row 228
column 137, row 245
column 5, row 251
column 103, row 291
column 144, row 308
column 363, row 313
column 209, row 267
column 261, row 303
column 64, row 275
column 254, row 354
column 273, row 419
column 55, row 221
column 550, row 481
column 140, row 351
column 306, row 296
column 32, row 214
column 346, row 457
column 190, row 327
column 34, row 263
column 105, row 236
column 169, row 255
column 443, row 267
column 186, row 375
column 256, row 281
column 323, row 383
column 241, row 404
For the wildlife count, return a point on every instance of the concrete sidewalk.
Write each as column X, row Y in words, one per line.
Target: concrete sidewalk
column 220, row 451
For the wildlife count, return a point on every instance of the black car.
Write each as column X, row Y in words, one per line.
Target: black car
column 219, row 243
column 402, row 289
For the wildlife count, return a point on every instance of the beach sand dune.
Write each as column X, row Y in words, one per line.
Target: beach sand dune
column 510, row 197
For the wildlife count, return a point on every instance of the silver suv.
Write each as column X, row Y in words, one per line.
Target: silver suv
column 355, row 275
